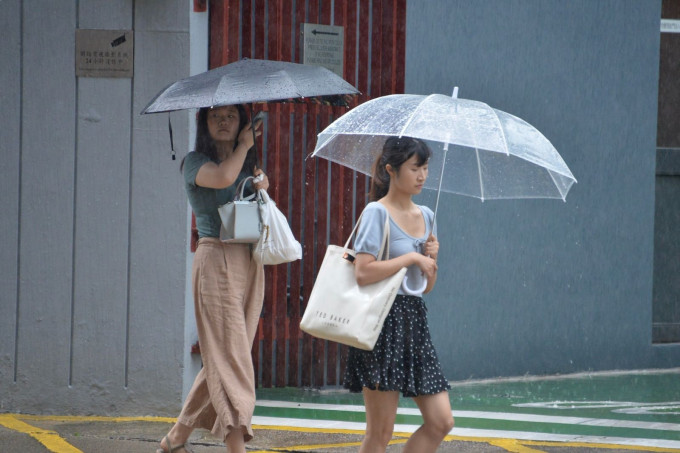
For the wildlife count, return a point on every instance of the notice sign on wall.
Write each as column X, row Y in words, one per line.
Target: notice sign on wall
column 104, row 53
column 670, row 26
column 323, row 45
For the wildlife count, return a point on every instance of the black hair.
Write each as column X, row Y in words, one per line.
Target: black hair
column 395, row 152
column 206, row 145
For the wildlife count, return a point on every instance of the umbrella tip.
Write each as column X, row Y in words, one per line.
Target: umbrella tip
column 455, row 93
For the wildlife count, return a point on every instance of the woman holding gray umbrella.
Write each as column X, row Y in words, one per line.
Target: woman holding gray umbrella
column 403, row 359
column 228, row 284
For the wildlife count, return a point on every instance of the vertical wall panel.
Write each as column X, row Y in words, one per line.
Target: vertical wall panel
column 101, row 216
column 270, row 158
column 158, row 209
column 10, row 150
column 296, row 216
column 46, row 220
column 282, row 194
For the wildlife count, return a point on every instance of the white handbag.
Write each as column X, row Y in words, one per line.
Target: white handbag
column 241, row 217
column 339, row 309
column 276, row 244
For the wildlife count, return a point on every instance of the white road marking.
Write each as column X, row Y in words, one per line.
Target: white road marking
column 469, row 432
column 612, row 423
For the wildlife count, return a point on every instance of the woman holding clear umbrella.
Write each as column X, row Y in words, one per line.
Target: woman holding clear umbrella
column 403, row 359
column 228, row 284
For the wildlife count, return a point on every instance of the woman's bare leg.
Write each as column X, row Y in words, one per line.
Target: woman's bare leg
column 235, row 442
column 178, row 435
column 438, row 421
column 381, row 411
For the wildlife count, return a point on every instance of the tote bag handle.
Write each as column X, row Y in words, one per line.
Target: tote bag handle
column 384, row 247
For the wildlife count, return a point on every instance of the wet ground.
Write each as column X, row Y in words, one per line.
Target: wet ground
column 632, row 411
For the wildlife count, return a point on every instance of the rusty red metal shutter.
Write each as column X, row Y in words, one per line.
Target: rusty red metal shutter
column 320, row 199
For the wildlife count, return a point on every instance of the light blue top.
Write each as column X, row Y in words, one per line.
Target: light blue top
column 370, row 234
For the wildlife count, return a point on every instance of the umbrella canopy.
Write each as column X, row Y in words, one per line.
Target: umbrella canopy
column 478, row 151
column 252, row 81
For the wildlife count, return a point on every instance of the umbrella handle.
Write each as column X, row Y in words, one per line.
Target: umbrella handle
column 411, row 291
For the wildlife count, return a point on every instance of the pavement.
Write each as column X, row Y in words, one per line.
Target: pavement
column 597, row 412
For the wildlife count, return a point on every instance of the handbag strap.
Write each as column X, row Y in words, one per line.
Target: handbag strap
column 385, row 246
column 241, row 188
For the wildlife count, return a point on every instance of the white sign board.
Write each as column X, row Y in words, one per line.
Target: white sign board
column 323, row 45
column 670, row 26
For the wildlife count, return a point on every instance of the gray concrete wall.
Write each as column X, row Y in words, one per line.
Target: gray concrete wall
column 94, row 221
column 542, row 286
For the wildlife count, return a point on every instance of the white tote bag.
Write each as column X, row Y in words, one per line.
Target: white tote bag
column 339, row 309
column 277, row 244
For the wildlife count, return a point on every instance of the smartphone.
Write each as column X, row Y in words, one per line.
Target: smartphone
column 259, row 117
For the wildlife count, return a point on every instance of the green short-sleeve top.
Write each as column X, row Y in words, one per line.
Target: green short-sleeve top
column 204, row 201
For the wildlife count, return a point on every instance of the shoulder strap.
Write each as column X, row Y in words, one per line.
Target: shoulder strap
column 385, row 246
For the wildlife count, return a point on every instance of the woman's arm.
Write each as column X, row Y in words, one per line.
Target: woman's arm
column 431, row 249
column 224, row 174
column 369, row 270
column 430, row 282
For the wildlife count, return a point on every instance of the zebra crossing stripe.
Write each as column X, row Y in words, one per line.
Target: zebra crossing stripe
column 567, row 420
column 656, row 434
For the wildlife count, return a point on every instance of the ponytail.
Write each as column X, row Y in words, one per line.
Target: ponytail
column 380, row 183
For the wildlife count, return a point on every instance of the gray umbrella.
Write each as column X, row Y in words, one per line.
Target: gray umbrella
column 253, row 81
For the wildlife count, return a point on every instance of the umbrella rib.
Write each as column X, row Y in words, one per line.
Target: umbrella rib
column 500, row 128
column 479, row 172
column 557, row 186
column 439, row 190
column 292, row 82
column 479, row 163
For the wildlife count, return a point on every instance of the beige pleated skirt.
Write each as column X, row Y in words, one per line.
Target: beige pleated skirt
column 228, row 286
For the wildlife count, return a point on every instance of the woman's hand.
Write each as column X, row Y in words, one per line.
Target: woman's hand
column 263, row 183
column 245, row 137
column 426, row 264
column 431, row 247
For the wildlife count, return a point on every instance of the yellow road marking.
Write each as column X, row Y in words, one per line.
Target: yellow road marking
column 88, row 418
column 12, row 421
column 50, row 439
column 513, row 446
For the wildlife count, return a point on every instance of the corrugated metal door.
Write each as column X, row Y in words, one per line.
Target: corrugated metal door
column 320, row 199
column 666, row 292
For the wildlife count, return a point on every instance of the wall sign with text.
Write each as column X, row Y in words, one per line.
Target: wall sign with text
column 323, row 45
column 104, row 53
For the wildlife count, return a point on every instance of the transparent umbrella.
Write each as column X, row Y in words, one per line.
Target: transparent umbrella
column 478, row 151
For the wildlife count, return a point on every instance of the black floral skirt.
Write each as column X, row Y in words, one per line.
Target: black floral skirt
column 403, row 359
